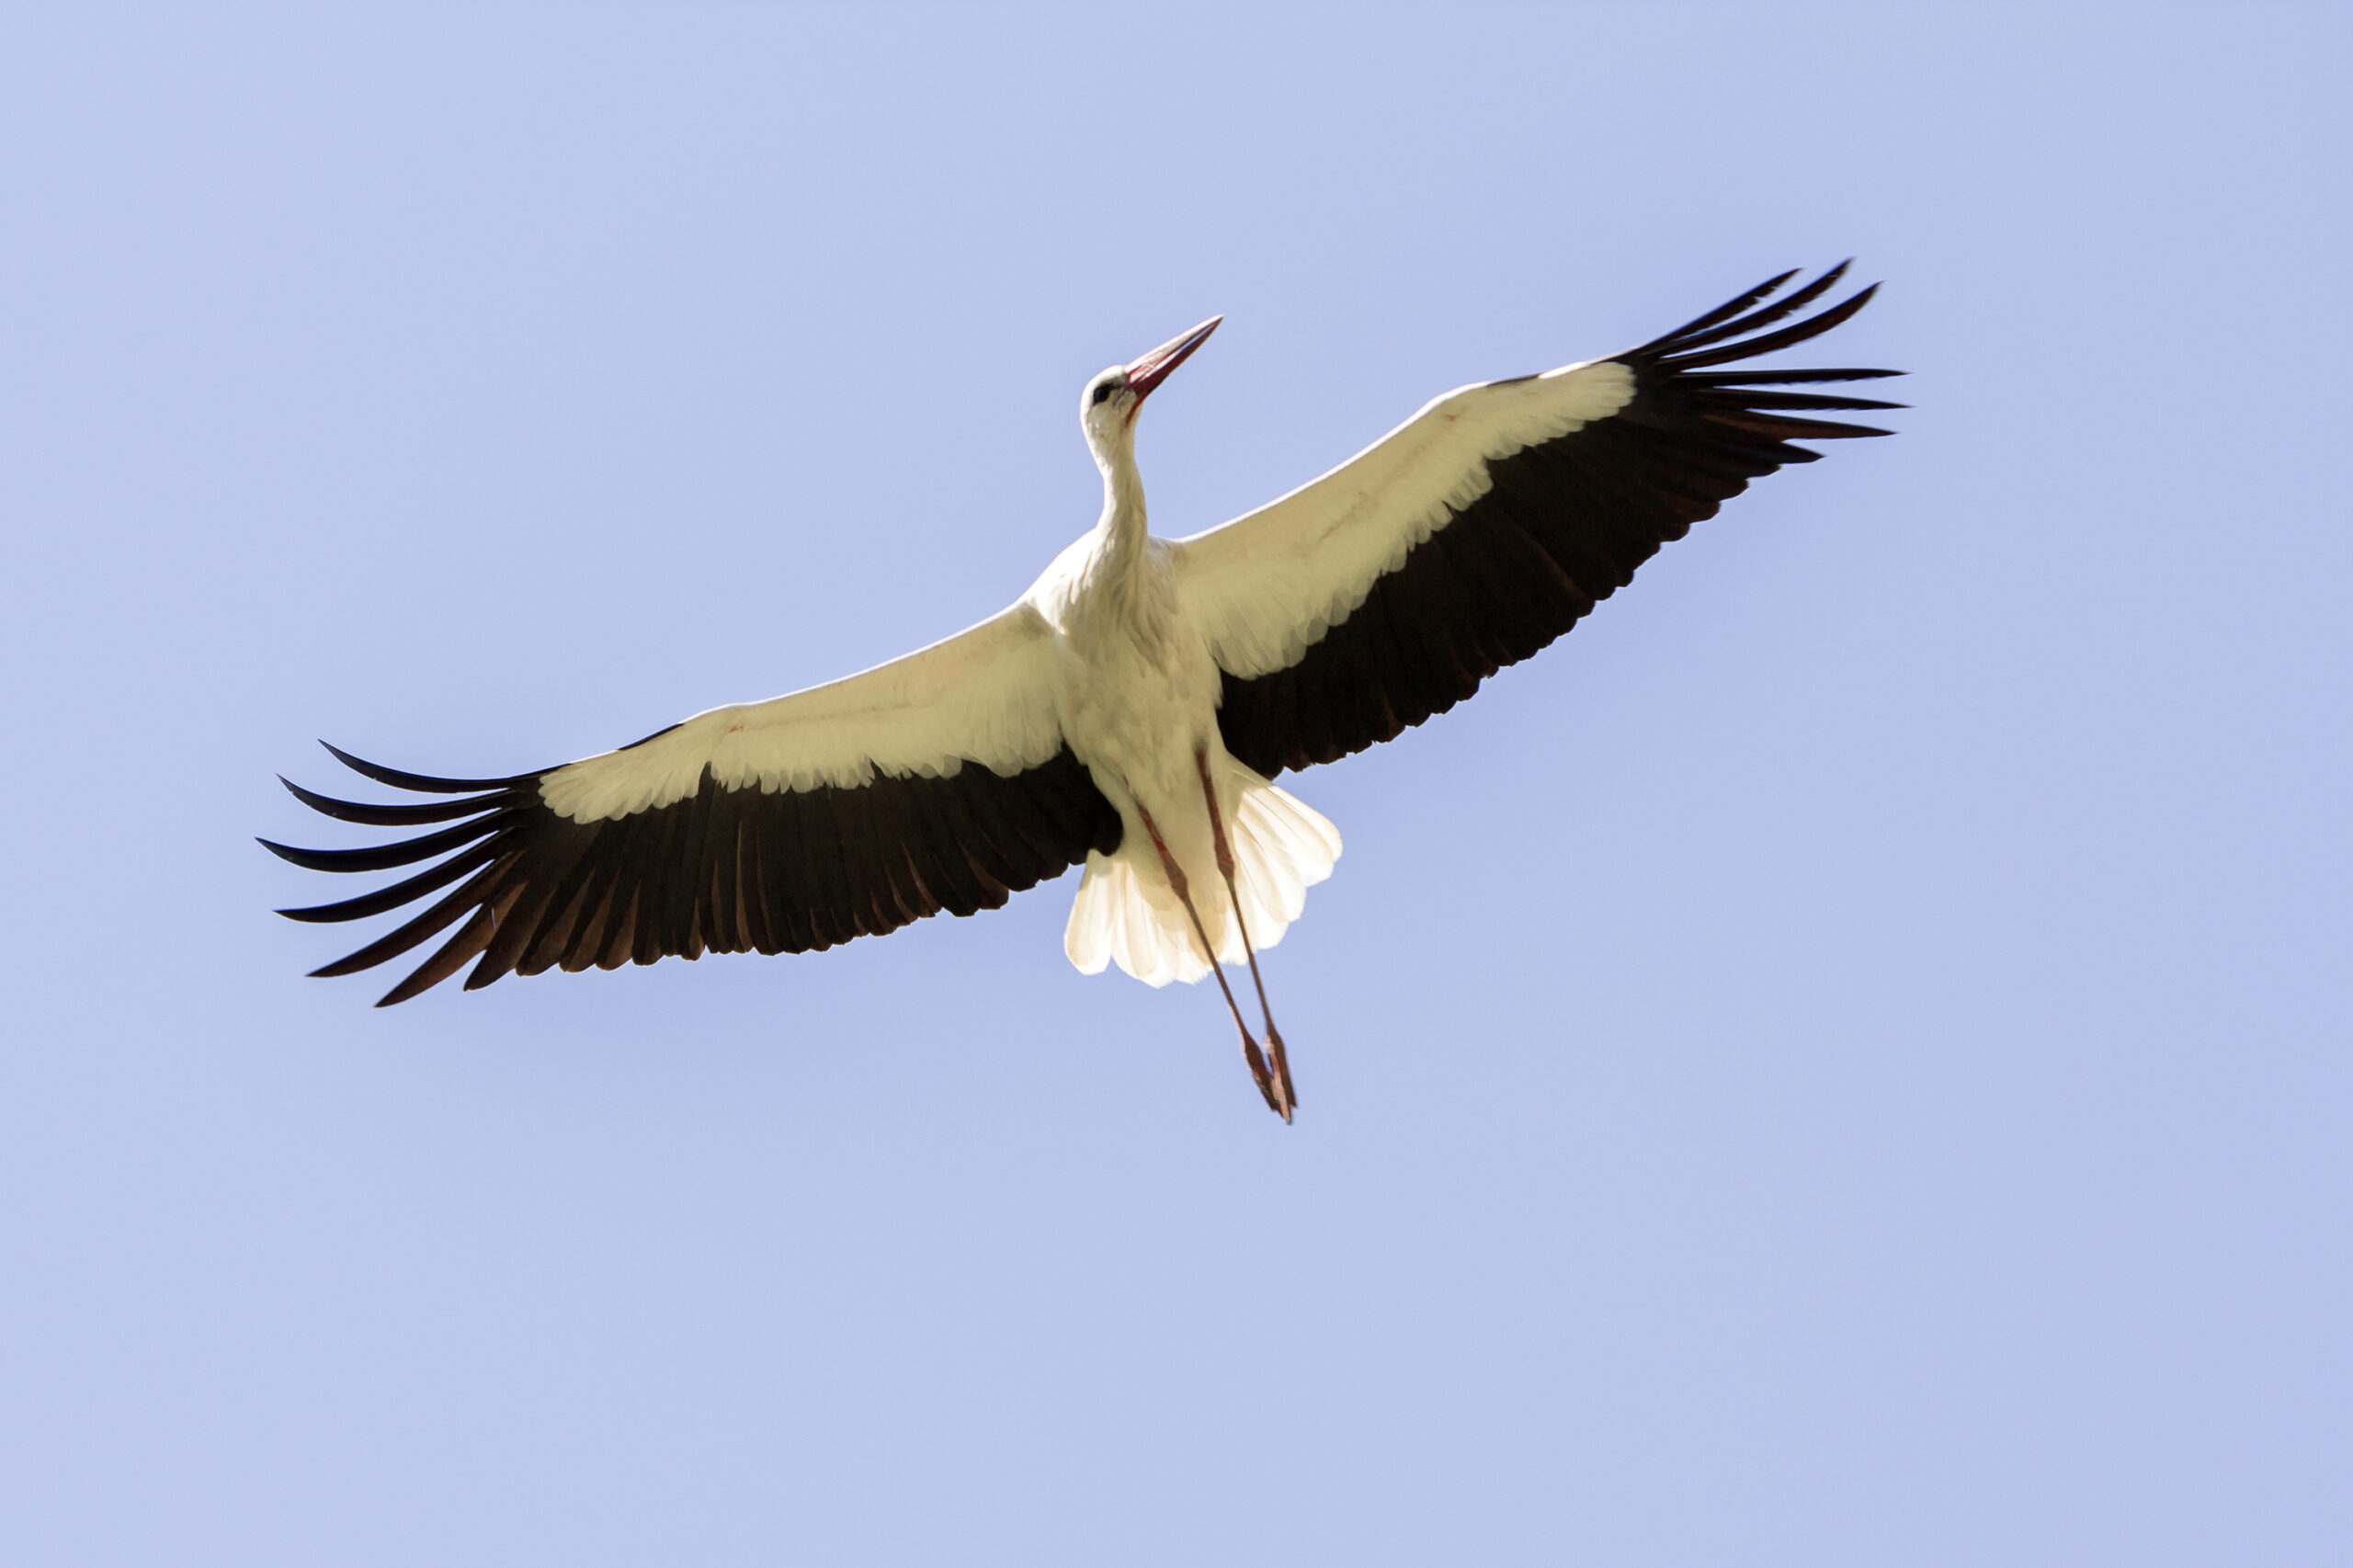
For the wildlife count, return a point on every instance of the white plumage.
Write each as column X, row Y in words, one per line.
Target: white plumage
column 1127, row 914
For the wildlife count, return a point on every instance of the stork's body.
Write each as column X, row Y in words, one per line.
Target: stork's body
column 1137, row 697
column 1129, row 713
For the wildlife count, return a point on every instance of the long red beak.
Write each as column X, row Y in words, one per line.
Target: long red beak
column 1152, row 370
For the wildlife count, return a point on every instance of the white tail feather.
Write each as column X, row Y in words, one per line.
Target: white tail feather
column 1126, row 914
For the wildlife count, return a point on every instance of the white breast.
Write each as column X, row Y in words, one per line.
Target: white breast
column 1138, row 689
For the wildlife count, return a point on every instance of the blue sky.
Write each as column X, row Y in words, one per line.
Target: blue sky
column 1843, row 1059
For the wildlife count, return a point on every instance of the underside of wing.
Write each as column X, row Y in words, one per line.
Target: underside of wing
column 1387, row 592
column 936, row 782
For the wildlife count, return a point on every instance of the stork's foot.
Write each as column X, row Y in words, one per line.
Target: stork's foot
column 1284, row 1099
column 1262, row 1077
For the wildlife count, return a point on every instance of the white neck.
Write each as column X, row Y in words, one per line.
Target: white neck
column 1122, row 525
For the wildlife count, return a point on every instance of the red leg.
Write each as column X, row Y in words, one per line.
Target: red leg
column 1184, row 895
column 1289, row 1096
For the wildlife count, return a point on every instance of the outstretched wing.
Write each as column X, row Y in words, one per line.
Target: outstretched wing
column 1490, row 523
column 936, row 781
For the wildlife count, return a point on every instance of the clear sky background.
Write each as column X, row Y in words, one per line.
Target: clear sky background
column 1842, row 1061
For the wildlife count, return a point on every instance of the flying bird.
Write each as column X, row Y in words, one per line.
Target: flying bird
column 1130, row 711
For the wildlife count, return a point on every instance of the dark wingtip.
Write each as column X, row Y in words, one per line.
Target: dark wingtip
column 1728, row 322
column 419, row 980
column 416, row 814
column 1720, row 349
column 282, row 851
column 421, row 783
column 385, row 856
column 1723, row 313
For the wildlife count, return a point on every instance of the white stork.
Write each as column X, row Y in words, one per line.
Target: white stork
column 1130, row 710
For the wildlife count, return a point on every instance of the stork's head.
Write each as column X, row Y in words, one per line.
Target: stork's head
column 1107, row 409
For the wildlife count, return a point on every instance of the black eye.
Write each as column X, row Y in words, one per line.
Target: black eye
column 1103, row 392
